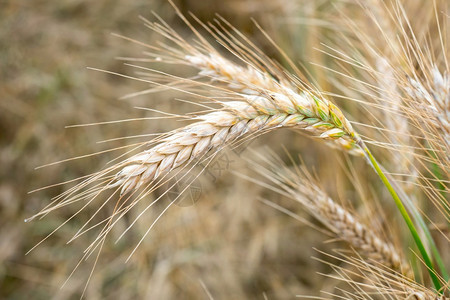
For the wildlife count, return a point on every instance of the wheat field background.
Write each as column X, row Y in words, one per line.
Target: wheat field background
column 229, row 243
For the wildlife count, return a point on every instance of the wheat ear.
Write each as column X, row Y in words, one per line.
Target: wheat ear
column 251, row 81
column 266, row 97
column 301, row 186
column 346, row 226
column 237, row 118
column 256, row 76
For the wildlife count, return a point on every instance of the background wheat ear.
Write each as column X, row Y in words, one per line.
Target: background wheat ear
column 299, row 184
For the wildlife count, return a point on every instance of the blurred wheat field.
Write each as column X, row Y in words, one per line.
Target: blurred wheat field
column 232, row 242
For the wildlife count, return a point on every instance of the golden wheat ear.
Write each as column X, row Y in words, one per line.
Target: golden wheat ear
column 255, row 97
column 298, row 184
column 233, row 122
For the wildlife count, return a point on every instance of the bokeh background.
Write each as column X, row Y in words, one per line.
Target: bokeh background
column 228, row 245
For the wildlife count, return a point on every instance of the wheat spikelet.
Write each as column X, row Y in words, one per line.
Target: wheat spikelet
column 301, row 186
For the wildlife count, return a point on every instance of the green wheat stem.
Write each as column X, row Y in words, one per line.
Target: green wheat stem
column 420, row 221
column 404, row 214
column 438, row 174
